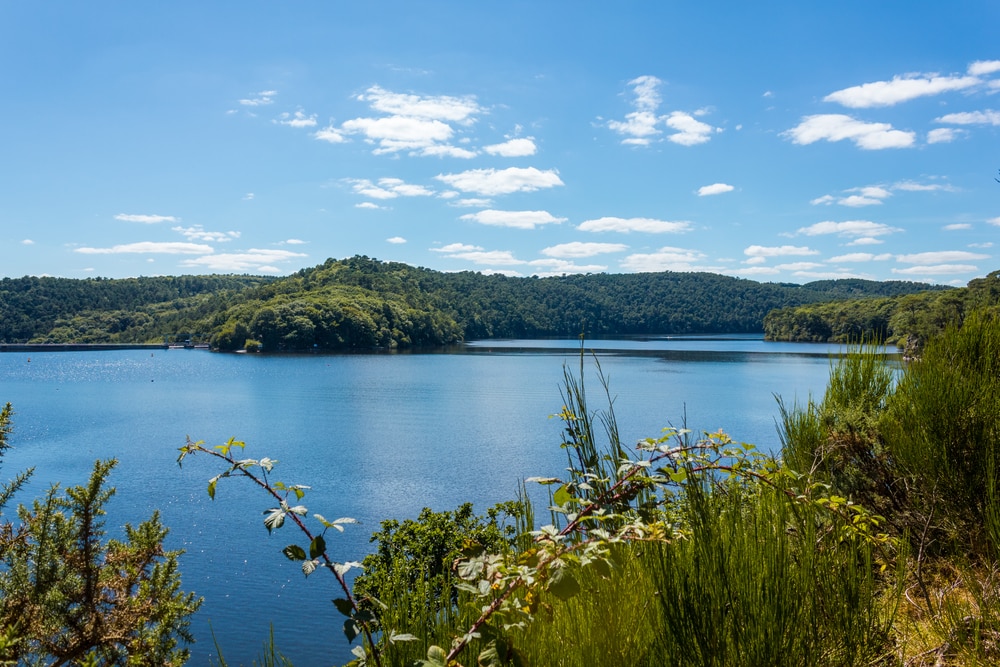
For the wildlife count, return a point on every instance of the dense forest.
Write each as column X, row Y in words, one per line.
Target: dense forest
column 359, row 303
column 905, row 319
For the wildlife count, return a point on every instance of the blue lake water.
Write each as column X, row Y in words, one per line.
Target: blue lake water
column 376, row 436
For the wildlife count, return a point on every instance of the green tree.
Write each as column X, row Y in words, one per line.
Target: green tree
column 69, row 594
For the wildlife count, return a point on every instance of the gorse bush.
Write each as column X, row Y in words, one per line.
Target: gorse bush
column 69, row 595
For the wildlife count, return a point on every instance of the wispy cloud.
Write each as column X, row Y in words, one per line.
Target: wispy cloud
column 146, row 219
column 491, row 182
column 848, row 228
column 642, row 126
column 626, row 225
column 665, row 259
column 714, row 189
column 838, row 127
column 396, row 240
column 253, row 260
column 577, row 249
column 515, row 219
column 150, row 248
column 297, row 119
column 778, row 251
column 263, row 98
column 198, row 233
column 855, row 257
column 940, row 257
column 513, row 148
column 900, row 89
column 388, row 188
column 987, row 117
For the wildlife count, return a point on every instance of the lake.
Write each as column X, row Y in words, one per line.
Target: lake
column 376, row 436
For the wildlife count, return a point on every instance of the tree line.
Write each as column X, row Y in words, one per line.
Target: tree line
column 360, row 303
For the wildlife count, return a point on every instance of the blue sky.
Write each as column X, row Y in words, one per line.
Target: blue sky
column 778, row 141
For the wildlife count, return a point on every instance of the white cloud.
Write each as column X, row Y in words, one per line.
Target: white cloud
column 150, row 247
column 457, row 247
column 940, row 257
column 900, row 89
column 27, row 242
column 943, row 135
column 714, row 189
column 252, row 260
column 797, row 266
column 848, row 228
column 370, row 205
column 513, row 148
column 578, row 249
column 494, row 257
column 472, row 202
column 690, row 131
column 957, row 226
column 912, row 186
column 837, row 127
column 987, row 244
column 442, row 107
column 560, row 267
column 755, row 271
column 983, row 67
column 859, row 257
column 640, row 127
column 515, row 219
column 293, row 242
column 825, row 200
column 626, row 225
column 248, row 196
column 665, row 259
column 994, row 221
column 778, row 251
column 262, row 98
column 297, row 119
column 856, row 201
column 936, row 270
column 388, row 188
column 865, row 240
column 197, row 233
column 501, row 181
column 446, row 151
column 396, row 240
column 146, row 219
column 330, row 134
column 988, row 117
column 399, row 133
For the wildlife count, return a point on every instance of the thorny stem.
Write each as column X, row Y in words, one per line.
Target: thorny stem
column 237, row 467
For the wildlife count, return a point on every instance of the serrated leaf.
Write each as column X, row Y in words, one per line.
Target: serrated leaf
column 544, row 480
column 294, row 552
column 403, row 637
column 344, row 606
column 299, row 509
column 267, row 463
column 275, row 518
column 561, row 496
column 436, row 655
column 317, row 547
column 563, row 584
column 309, row 566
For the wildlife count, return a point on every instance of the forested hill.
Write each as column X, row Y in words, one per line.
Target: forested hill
column 905, row 319
column 361, row 303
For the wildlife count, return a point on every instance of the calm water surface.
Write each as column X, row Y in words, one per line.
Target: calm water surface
column 376, row 436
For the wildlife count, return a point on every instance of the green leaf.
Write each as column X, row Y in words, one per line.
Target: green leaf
column 344, row 606
column 294, row 552
column 436, row 656
column 317, row 547
column 562, row 496
column 351, row 630
column 211, row 487
column 562, row 584
column 275, row 518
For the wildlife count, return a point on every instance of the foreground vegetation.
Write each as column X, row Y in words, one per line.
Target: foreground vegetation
column 362, row 303
column 907, row 320
column 873, row 538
